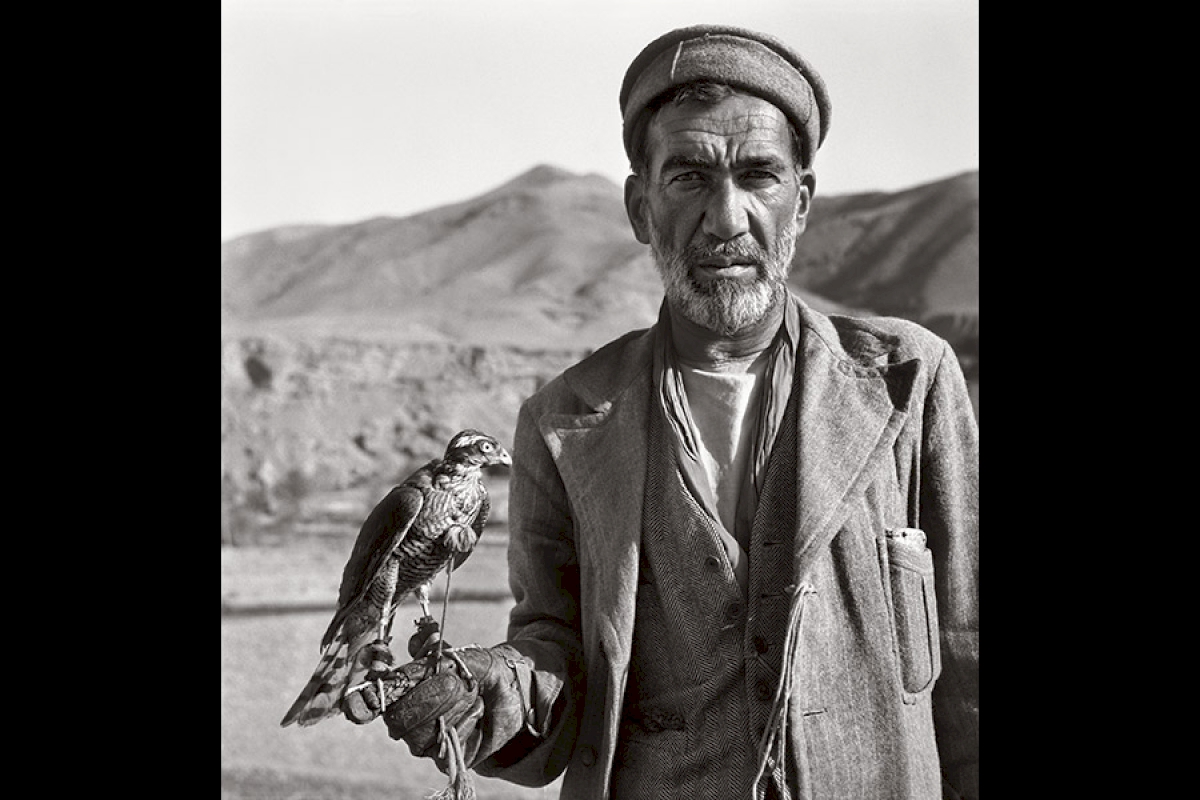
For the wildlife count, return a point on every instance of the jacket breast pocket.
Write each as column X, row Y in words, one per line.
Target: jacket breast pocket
column 909, row 577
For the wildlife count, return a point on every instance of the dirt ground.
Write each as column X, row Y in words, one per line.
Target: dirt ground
column 276, row 603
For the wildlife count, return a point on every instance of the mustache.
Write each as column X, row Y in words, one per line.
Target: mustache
column 742, row 249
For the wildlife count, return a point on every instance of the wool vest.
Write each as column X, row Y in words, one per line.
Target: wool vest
column 706, row 656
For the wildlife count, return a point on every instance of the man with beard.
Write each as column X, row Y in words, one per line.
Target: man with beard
column 744, row 541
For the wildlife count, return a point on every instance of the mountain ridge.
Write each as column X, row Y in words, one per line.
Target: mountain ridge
column 549, row 256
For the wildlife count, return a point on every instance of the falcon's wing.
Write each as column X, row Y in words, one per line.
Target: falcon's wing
column 385, row 527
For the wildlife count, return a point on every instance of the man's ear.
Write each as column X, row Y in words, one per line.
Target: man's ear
column 635, row 207
column 808, row 187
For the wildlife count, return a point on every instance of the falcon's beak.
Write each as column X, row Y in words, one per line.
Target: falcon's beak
column 502, row 457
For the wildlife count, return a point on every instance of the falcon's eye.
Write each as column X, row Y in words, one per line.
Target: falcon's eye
column 485, row 447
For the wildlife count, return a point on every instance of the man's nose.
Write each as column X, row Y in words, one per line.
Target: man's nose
column 726, row 216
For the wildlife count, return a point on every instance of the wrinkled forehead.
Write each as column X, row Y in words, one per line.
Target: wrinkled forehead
column 738, row 124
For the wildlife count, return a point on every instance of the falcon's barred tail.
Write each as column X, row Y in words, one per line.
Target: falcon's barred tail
column 322, row 696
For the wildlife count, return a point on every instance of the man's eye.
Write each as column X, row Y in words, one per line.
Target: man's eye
column 759, row 177
column 687, row 177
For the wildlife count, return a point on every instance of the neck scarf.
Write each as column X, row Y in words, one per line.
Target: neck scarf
column 672, row 401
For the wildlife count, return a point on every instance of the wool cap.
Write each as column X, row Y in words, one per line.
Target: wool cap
column 752, row 62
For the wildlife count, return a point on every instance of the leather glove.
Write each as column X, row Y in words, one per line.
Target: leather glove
column 483, row 693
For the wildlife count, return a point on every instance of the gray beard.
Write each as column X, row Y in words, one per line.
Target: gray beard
column 726, row 305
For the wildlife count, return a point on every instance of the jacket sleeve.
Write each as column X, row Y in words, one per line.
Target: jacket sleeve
column 949, row 513
column 544, row 623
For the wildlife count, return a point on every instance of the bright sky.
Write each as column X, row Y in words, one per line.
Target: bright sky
column 334, row 111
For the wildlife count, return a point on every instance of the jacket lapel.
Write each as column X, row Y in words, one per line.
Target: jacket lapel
column 601, row 457
column 850, row 413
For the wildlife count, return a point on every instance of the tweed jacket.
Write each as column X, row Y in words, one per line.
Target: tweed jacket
column 887, row 442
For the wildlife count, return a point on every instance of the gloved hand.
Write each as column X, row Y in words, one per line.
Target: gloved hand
column 485, row 694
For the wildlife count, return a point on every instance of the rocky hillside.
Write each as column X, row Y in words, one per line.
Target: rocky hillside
column 912, row 254
column 351, row 352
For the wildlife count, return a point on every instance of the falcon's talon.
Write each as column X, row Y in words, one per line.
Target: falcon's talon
column 359, row 689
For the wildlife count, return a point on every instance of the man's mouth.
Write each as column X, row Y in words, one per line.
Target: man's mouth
column 711, row 268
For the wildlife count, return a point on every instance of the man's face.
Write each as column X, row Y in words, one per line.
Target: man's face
column 721, row 206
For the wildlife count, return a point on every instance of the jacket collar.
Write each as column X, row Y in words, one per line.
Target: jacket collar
column 853, row 401
column 603, row 377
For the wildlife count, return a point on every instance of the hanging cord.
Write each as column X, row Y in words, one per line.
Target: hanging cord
column 449, row 746
column 774, row 738
column 460, row 786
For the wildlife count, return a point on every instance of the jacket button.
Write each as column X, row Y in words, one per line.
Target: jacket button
column 733, row 611
column 760, row 644
column 587, row 755
column 764, row 691
column 712, row 564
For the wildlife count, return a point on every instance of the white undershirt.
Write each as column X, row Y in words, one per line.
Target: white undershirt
column 723, row 401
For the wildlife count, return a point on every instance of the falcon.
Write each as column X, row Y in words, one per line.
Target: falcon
column 431, row 521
